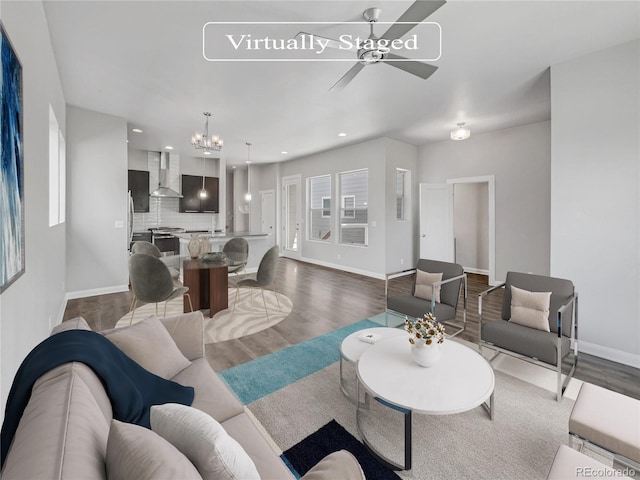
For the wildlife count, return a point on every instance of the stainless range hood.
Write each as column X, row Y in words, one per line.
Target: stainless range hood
column 164, row 190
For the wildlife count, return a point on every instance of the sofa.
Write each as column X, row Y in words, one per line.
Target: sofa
column 67, row 430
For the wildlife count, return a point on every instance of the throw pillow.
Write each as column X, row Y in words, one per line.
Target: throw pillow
column 530, row 309
column 204, row 441
column 424, row 280
column 149, row 344
column 136, row 452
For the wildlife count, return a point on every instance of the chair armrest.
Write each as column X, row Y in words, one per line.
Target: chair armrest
column 392, row 275
column 187, row 330
column 573, row 300
column 491, row 290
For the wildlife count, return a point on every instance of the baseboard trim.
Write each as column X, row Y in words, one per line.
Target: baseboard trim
column 96, row 291
column 607, row 353
column 366, row 273
column 479, row 271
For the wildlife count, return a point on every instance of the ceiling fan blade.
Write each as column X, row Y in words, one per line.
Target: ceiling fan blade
column 422, row 70
column 415, row 14
column 347, row 77
column 312, row 37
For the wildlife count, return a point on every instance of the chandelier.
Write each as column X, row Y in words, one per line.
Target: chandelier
column 205, row 142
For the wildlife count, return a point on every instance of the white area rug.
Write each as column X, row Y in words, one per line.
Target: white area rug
column 249, row 315
column 247, row 318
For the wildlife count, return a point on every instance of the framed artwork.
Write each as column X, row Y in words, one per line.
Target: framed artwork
column 12, row 259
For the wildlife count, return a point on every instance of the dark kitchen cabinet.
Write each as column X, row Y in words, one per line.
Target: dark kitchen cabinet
column 139, row 186
column 210, row 204
column 191, row 201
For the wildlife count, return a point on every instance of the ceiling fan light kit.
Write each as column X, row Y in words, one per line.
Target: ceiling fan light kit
column 460, row 132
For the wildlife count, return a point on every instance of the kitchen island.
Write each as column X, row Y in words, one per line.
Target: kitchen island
column 259, row 243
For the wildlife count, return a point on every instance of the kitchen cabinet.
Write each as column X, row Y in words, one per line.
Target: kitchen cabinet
column 139, row 186
column 191, row 201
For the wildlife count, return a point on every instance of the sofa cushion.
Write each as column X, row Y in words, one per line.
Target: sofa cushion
column 341, row 464
column 77, row 323
column 267, row 461
column 416, row 307
column 424, row 282
column 63, row 430
column 212, row 395
column 530, row 309
column 187, row 330
column 149, row 344
column 136, row 452
column 216, row 455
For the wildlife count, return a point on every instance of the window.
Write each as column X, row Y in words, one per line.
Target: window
column 57, row 165
column 348, row 203
column 326, row 207
column 354, row 199
column 402, row 186
column 319, row 208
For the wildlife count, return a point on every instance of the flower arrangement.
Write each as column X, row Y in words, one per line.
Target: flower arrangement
column 426, row 329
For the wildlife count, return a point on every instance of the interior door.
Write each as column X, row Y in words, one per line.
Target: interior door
column 268, row 214
column 436, row 222
column 291, row 216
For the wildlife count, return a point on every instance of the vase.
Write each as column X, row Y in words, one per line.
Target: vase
column 194, row 246
column 425, row 355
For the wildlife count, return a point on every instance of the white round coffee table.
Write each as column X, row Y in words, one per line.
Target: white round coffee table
column 460, row 381
column 352, row 348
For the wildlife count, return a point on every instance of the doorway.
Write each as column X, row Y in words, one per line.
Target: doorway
column 268, row 214
column 437, row 207
column 291, row 216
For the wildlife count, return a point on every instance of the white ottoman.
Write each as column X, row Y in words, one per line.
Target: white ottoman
column 570, row 464
column 608, row 420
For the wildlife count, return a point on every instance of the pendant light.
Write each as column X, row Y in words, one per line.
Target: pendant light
column 247, row 196
column 203, row 193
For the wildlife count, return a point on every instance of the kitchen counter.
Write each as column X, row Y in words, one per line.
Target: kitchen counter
column 259, row 243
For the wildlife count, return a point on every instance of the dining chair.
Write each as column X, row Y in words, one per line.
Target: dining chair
column 149, row 248
column 237, row 249
column 151, row 282
column 265, row 276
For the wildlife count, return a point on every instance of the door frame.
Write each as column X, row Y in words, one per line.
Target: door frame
column 287, row 180
column 491, row 181
column 274, row 212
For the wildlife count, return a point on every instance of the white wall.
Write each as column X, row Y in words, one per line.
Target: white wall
column 595, row 195
column 471, row 226
column 401, row 235
column 520, row 159
column 97, row 198
column 35, row 302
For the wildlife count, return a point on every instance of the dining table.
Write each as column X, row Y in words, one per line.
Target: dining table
column 208, row 281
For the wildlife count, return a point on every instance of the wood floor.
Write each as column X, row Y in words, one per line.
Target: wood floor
column 325, row 299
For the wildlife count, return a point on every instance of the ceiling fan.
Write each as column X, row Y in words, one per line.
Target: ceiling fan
column 376, row 50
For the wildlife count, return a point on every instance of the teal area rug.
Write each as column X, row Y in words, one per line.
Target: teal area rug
column 262, row 376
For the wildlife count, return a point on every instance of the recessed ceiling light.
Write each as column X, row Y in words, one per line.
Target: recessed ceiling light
column 284, row 153
column 169, row 147
column 136, row 130
column 207, row 153
column 248, row 161
column 342, row 134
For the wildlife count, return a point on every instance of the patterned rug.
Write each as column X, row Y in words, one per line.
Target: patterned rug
column 246, row 318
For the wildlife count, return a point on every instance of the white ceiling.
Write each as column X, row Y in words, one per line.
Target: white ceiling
column 143, row 61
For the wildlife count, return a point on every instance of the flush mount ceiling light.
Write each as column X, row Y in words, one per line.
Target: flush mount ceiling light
column 204, row 141
column 460, row 133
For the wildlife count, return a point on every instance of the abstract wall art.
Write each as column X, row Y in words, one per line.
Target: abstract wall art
column 12, row 255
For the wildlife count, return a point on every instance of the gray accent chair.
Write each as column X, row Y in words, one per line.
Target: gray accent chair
column 237, row 249
column 453, row 279
column 151, row 282
column 150, row 249
column 546, row 349
column 265, row 276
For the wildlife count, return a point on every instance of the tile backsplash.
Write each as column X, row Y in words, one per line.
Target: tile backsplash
column 164, row 212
